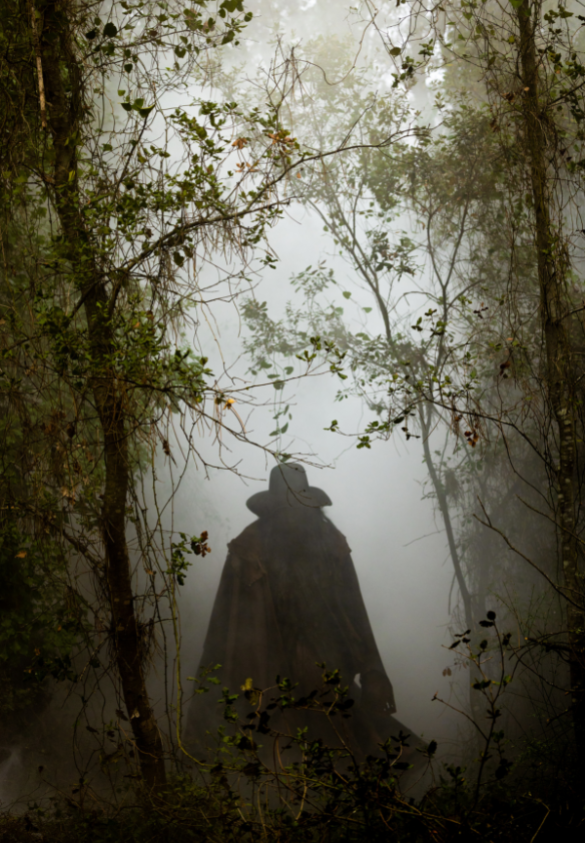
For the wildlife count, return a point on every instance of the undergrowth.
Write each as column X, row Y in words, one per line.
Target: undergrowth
column 328, row 795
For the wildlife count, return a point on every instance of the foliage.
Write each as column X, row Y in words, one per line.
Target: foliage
column 327, row 794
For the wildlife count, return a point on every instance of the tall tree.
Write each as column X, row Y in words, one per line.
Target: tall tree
column 126, row 222
column 538, row 101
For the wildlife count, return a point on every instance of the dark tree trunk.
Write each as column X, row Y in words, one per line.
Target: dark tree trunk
column 559, row 374
column 57, row 61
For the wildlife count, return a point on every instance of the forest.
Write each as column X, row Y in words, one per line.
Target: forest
column 248, row 244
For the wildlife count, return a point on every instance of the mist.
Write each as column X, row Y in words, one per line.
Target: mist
column 326, row 249
column 379, row 495
column 397, row 544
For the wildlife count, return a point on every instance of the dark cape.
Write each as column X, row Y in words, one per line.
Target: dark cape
column 289, row 600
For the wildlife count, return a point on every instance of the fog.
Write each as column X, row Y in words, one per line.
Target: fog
column 380, row 500
column 398, row 545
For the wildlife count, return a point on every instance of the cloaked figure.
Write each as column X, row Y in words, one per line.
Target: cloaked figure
column 289, row 600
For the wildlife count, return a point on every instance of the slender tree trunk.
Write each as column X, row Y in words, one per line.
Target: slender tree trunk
column 65, row 109
column 446, row 515
column 559, row 369
column 475, row 701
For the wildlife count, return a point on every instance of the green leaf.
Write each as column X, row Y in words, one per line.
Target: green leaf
column 110, row 30
column 232, row 5
column 144, row 112
column 126, row 106
column 346, row 294
column 395, row 51
column 91, row 35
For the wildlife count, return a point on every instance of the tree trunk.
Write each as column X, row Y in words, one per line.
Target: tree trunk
column 446, row 515
column 65, row 109
column 559, row 373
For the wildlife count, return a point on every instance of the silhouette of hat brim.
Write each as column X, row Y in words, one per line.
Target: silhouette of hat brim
column 265, row 503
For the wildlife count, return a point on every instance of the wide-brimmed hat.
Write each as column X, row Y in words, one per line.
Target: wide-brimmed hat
column 288, row 487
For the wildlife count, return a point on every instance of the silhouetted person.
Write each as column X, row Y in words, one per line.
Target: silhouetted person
column 289, row 598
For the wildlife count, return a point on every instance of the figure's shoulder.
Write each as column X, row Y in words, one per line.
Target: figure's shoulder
column 249, row 543
column 336, row 538
column 245, row 555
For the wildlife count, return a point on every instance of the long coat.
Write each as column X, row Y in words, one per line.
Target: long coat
column 289, row 600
